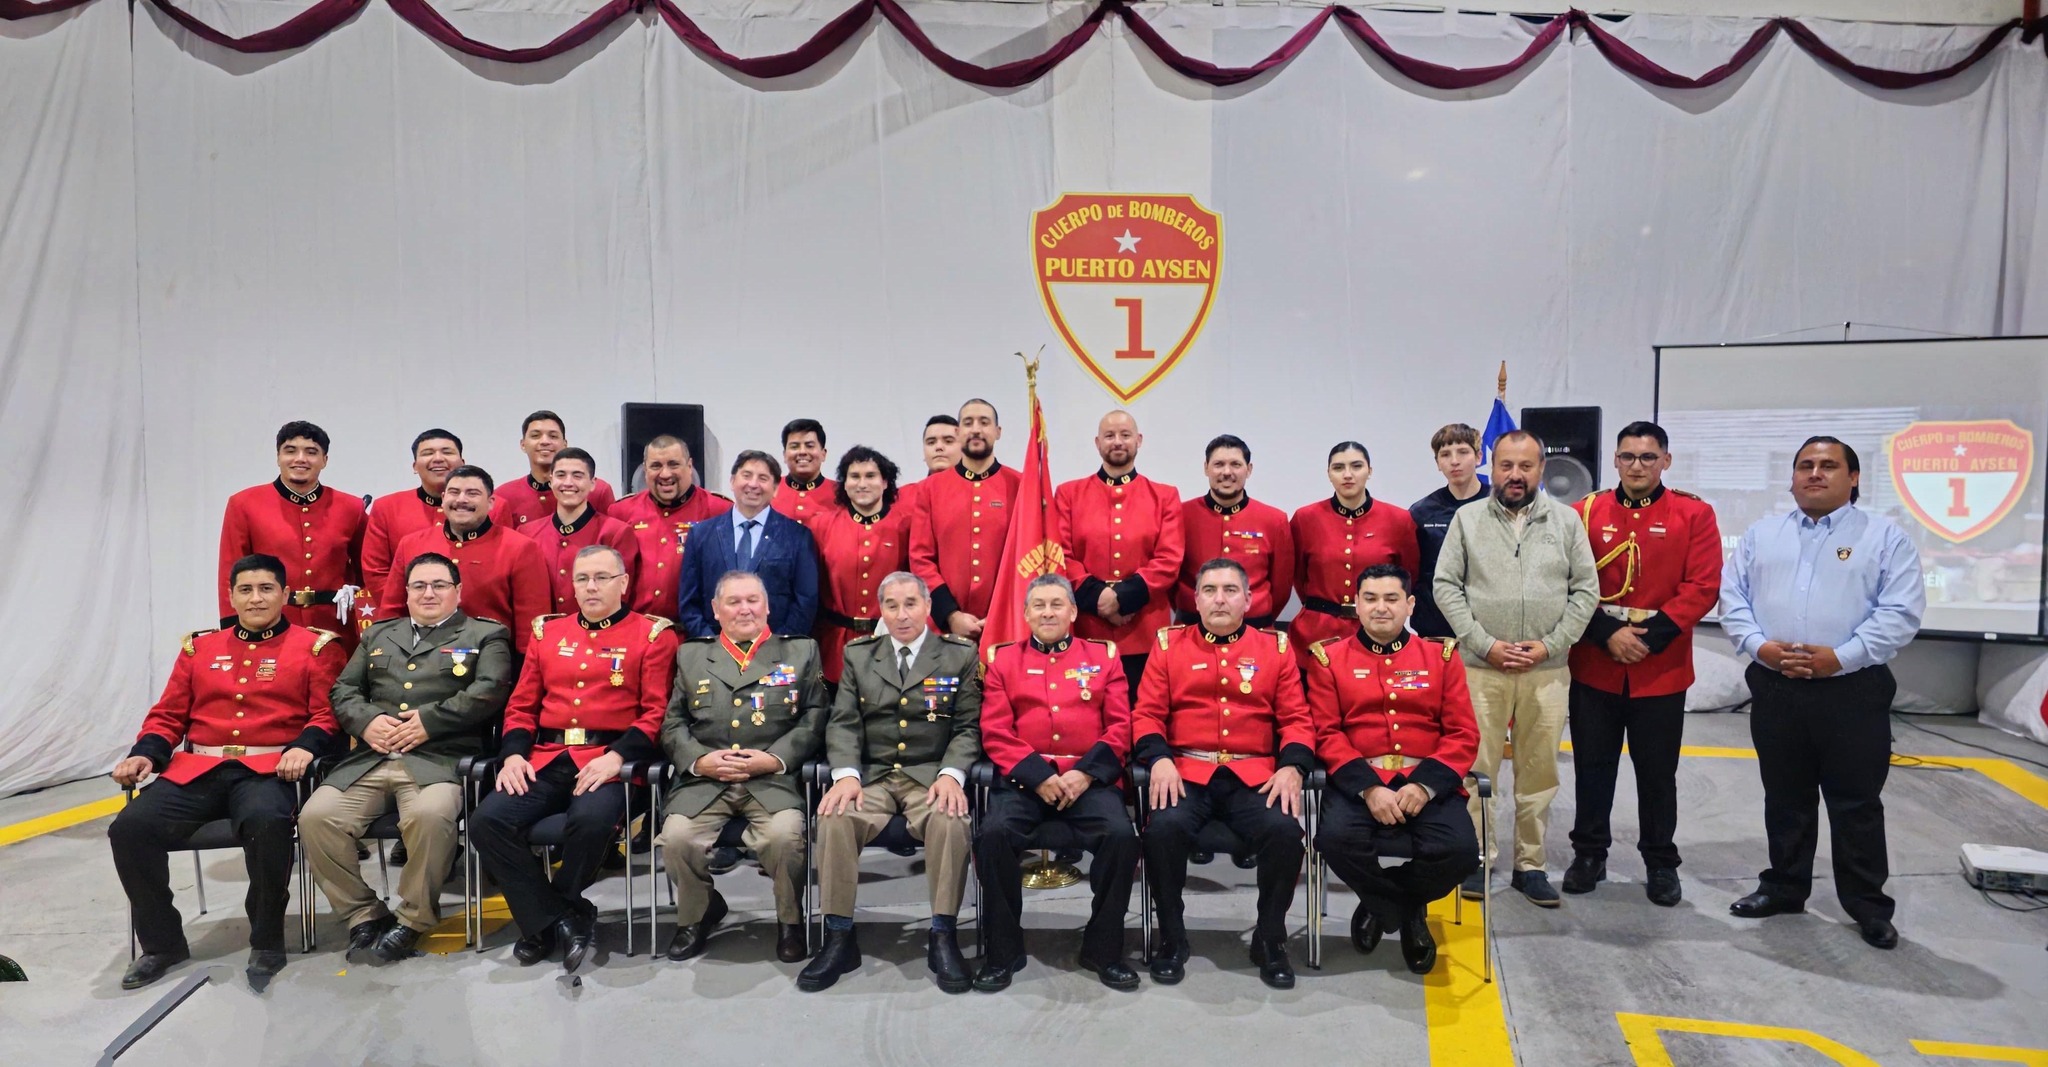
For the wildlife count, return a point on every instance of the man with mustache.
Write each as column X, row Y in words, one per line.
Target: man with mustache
column 960, row 522
column 1456, row 448
column 805, row 493
column 1122, row 536
column 576, row 525
column 1226, row 523
column 661, row 517
column 532, row 498
column 435, row 454
column 1517, row 583
column 317, row 531
column 504, row 578
column 1822, row 599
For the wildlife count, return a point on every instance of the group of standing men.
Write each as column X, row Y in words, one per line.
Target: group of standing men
column 839, row 617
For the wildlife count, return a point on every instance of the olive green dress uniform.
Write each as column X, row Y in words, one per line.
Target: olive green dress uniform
column 457, row 676
column 775, row 703
column 899, row 731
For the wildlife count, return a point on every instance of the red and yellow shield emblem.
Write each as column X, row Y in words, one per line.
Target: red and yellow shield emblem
column 1960, row 478
column 1128, row 280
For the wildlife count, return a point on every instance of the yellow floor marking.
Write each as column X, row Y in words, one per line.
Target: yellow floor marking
column 447, row 938
column 2029, row 1057
column 1467, row 1025
column 60, row 820
column 1646, row 1042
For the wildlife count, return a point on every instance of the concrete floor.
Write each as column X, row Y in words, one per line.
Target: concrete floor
column 1966, row 971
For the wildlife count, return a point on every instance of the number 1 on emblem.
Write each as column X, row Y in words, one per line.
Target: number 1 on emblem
column 1134, row 320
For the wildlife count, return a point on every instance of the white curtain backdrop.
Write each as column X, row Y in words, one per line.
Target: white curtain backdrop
column 379, row 234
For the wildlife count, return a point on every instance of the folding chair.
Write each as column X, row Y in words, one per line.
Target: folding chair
column 1049, row 837
column 1217, row 837
column 731, row 835
column 896, row 837
column 1319, row 872
column 220, row 834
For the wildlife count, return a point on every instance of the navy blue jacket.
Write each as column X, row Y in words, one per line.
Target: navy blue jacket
column 786, row 559
column 1432, row 515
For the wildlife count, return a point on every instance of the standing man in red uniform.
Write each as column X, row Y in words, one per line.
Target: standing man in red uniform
column 660, row 517
column 1659, row 555
column 959, row 525
column 1056, row 722
column 318, row 531
column 1122, row 536
column 1335, row 540
column 576, row 525
column 941, row 453
column 1394, row 725
column 532, row 498
column 863, row 539
column 804, row 493
column 504, row 578
column 589, row 699
column 435, row 453
column 1221, row 722
column 249, row 706
column 1226, row 523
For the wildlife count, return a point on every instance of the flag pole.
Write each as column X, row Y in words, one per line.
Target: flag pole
column 1501, row 385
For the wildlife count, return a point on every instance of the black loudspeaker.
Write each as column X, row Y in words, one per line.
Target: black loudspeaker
column 1571, row 449
column 641, row 423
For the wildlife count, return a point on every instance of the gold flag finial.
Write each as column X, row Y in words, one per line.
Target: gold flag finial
column 1031, row 369
column 1501, row 384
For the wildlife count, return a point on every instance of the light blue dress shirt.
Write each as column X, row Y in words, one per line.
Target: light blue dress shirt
column 1849, row 581
column 746, row 544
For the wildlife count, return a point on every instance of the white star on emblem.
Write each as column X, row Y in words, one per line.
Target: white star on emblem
column 1127, row 243
column 1962, row 450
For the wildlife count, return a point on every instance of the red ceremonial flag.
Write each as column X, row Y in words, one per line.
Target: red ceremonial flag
column 1030, row 550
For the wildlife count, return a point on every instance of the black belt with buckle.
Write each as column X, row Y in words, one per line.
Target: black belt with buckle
column 847, row 622
column 576, row 736
column 1329, row 607
column 311, row 598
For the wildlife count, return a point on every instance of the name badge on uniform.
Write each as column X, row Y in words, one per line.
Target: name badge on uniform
column 1658, row 530
column 1361, row 672
column 222, row 663
column 460, row 658
column 1198, row 666
column 266, row 670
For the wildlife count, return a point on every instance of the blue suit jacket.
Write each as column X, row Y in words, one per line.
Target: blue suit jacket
column 786, row 559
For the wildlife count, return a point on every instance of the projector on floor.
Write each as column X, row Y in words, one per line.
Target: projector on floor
column 2005, row 868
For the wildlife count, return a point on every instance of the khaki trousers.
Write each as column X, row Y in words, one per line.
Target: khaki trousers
column 947, row 843
column 334, row 820
column 776, row 837
column 1536, row 703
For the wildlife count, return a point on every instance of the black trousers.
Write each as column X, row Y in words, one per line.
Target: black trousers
column 165, row 813
column 1825, row 739
column 1134, row 672
column 1099, row 822
column 1439, row 840
column 1653, row 728
column 500, row 828
column 1274, row 837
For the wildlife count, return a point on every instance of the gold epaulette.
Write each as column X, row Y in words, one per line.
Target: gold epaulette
column 194, row 635
column 656, row 630
column 1683, row 493
column 1586, row 506
column 540, row 622
column 1450, row 648
column 993, row 649
column 1166, row 634
column 1280, row 634
column 321, row 638
column 1104, row 642
column 1321, row 656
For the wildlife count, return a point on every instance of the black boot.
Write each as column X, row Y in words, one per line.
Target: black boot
column 840, row 954
column 948, row 966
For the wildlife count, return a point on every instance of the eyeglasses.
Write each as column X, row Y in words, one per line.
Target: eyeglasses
column 421, row 587
column 594, row 579
column 1631, row 459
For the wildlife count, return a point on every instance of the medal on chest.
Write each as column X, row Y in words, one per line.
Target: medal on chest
column 617, row 656
column 1083, row 676
column 460, row 658
column 266, row 670
column 1607, row 534
column 1247, row 668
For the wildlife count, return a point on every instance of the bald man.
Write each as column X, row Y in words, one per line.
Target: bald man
column 1123, row 541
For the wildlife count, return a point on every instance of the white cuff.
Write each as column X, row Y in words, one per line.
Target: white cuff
column 955, row 774
column 845, row 772
column 782, row 763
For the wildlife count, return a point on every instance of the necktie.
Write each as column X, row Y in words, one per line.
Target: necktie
column 746, row 556
column 903, row 664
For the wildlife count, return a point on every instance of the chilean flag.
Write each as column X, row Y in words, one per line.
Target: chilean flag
column 1030, row 550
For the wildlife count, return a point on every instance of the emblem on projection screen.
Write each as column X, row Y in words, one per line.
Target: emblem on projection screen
column 1960, row 478
column 1128, row 280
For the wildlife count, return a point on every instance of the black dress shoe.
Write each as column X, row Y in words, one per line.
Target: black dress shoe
column 1663, row 888
column 1246, row 863
column 1116, row 974
column 615, row 859
column 1365, row 930
column 723, row 860
column 264, row 963
column 840, row 954
column 1761, row 904
column 1584, row 873
column 1069, row 856
column 1879, row 933
column 1418, row 948
column 689, row 940
column 1270, row 957
column 397, row 943
column 995, row 977
column 1200, row 857
column 151, row 966
column 578, row 933
column 1169, row 963
column 948, row 966
column 535, row 947
column 791, row 946
column 906, row 851
column 398, row 855
column 363, row 935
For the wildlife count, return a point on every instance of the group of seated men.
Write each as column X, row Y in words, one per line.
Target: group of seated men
column 1220, row 723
